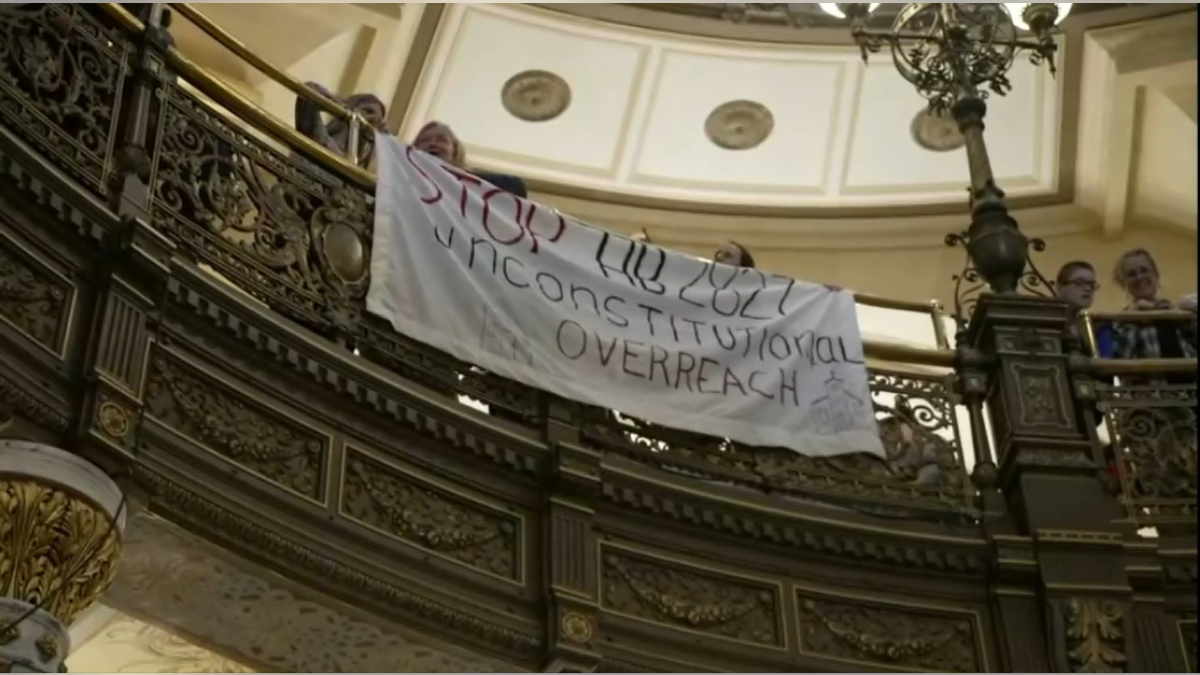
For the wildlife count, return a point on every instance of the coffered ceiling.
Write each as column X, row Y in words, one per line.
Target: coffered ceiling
column 640, row 121
column 678, row 110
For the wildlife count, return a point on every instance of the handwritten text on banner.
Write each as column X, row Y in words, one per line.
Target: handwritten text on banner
column 531, row 295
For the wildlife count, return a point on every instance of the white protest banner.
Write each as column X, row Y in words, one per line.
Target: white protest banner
column 529, row 294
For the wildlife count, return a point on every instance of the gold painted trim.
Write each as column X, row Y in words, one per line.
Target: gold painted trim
column 240, row 50
column 446, row 488
column 976, row 619
column 414, row 64
column 794, row 516
column 44, row 266
column 701, row 569
column 247, row 394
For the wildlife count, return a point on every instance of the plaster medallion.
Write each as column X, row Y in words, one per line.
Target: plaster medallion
column 739, row 125
column 937, row 132
column 536, row 96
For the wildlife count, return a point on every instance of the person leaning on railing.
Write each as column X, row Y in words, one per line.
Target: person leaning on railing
column 335, row 135
column 439, row 140
column 1137, row 273
column 1076, row 285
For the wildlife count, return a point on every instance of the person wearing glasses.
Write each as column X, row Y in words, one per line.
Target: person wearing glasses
column 1076, row 285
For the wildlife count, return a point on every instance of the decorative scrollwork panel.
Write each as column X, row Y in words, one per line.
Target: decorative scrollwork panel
column 1153, row 427
column 297, row 239
column 33, row 300
column 392, row 502
column 892, row 638
column 691, row 599
column 62, row 77
column 923, row 470
column 230, row 426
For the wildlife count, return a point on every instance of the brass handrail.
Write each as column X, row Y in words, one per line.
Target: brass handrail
column 1118, row 367
column 904, row 354
column 271, row 70
column 1146, row 316
column 243, row 107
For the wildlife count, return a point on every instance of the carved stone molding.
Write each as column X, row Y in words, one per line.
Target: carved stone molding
column 247, row 614
column 236, row 429
column 34, row 301
column 390, row 501
column 891, row 638
column 691, row 599
column 238, row 533
column 1095, row 636
column 536, row 96
column 739, row 125
column 16, row 401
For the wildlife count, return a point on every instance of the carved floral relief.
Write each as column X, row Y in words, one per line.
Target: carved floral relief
column 395, row 503
column 235, row 429
column 888, row 637
column 32, row 300
column 691, row 600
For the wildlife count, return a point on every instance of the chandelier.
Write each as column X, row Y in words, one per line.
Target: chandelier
column 955, row 55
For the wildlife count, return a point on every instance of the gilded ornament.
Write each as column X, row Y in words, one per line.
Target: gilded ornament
column 62, row 552
column 936, row 131
column 739, row 125
column 114, row 421
column 576, row 628
column 536, row 96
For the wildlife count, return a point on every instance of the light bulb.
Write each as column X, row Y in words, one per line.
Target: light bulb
column 832, row 9
column 1017, row 11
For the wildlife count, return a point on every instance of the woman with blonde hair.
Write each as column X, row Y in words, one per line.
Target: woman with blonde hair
column 1137, row 273
column 439, row 140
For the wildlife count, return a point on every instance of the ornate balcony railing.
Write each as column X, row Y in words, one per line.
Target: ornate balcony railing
column 237, row 190
column 1149, row 411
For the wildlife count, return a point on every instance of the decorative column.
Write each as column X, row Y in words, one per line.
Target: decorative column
column 571, row 546
column 1074, row 548
column 61, row 523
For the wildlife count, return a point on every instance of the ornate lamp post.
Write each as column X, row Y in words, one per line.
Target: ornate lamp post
column 956, row 54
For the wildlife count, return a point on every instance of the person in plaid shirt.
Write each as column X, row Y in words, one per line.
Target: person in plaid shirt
column 1137, row 273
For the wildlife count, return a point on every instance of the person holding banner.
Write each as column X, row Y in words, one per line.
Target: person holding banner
column 439, row 140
